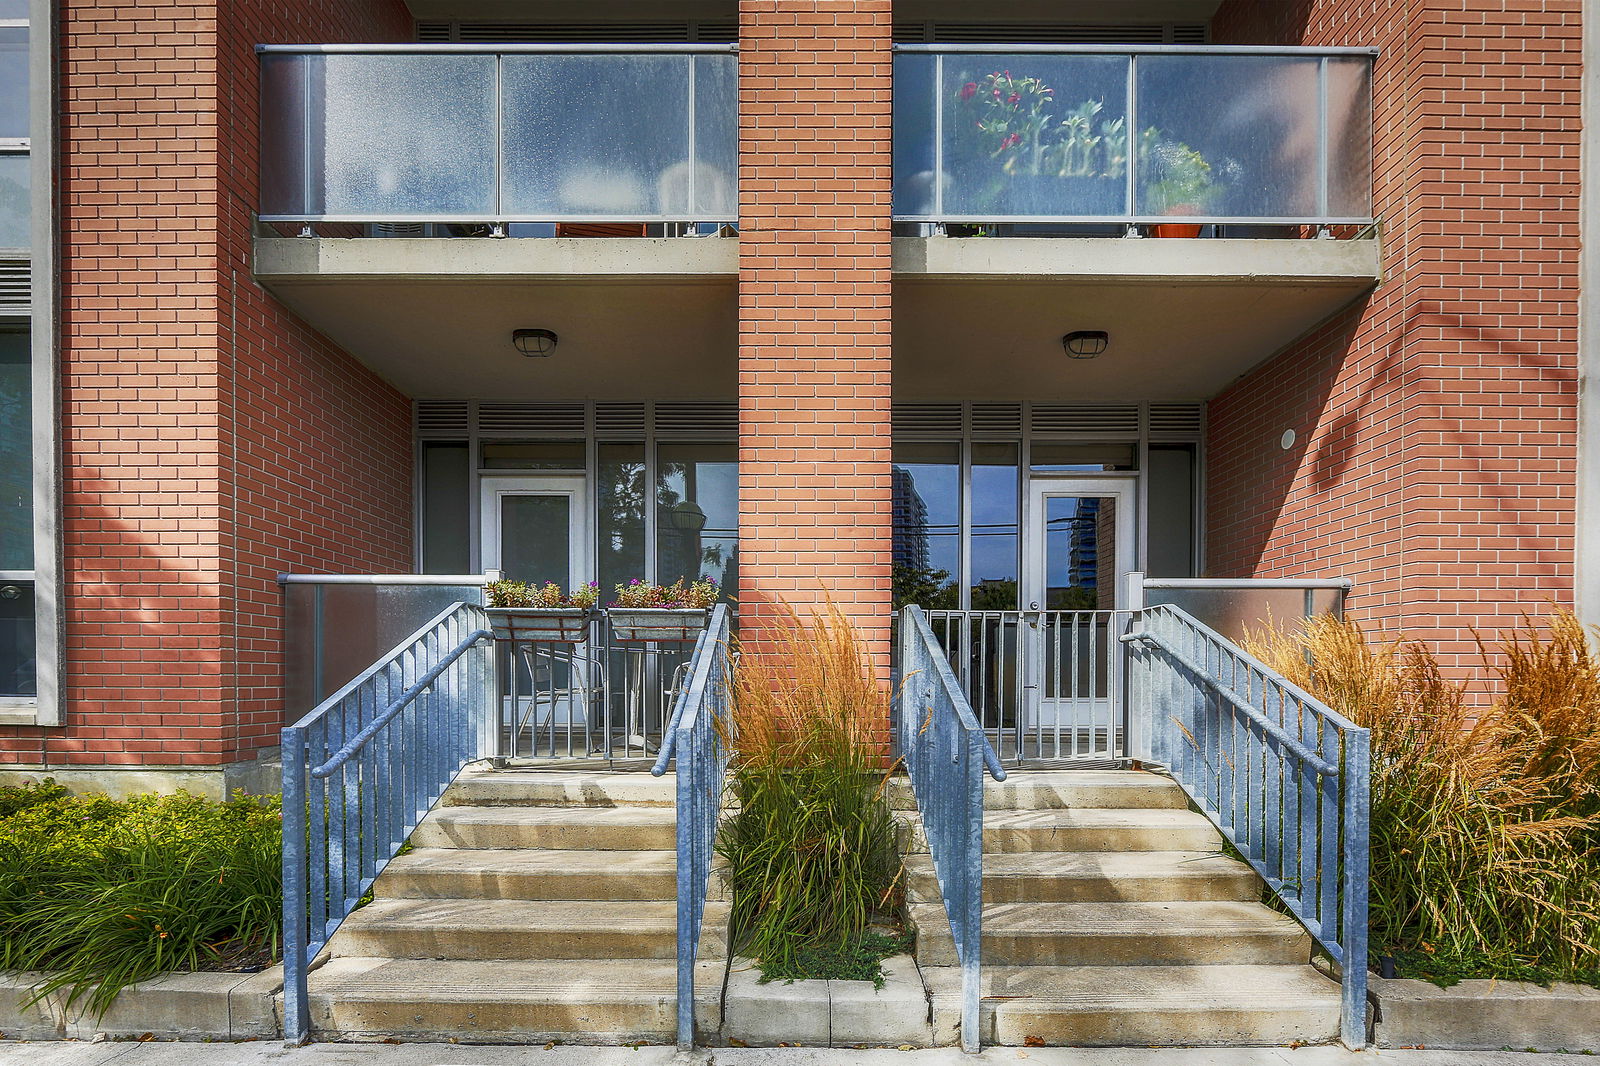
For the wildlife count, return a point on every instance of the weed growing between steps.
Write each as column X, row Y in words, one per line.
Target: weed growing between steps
column 102, row 893
column 810, row 852
column 1485, row 820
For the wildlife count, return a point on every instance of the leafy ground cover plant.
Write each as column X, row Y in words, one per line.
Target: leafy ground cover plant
column 100, row 893
column 809, row 852
column 1485, row 819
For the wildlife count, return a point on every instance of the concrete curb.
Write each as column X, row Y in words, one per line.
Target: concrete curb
column 179, row 1006
column 823, row 1014
column 1487, row 1016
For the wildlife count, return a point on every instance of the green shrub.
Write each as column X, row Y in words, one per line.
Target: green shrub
column 14, row 798
column 810, row 852
column 101, row 893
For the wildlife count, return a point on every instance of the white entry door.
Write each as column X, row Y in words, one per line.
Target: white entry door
column 535, row 530
column 1081, row 548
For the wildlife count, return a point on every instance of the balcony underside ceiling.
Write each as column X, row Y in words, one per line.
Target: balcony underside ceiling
column 976, row 317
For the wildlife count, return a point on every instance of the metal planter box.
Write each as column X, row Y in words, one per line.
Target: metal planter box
column 558, row 625
column 634, row 625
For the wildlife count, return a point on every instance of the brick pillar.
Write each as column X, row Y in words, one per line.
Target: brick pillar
column 814, row 277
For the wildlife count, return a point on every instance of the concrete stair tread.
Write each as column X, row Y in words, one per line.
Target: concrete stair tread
column 480, row 914
column 541, row 788
column 1098, row 875
column 472, row 866
column 1047, row 789
column 1144, row 987
column 1096, row 817
column 512, row 979
column 1110, row 864
column 1163, row 919
column 588, row 816
column 631, row 828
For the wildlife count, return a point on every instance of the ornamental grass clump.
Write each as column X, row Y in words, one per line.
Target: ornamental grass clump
column 101, row 893
column 1485, row 820
column 809, row 852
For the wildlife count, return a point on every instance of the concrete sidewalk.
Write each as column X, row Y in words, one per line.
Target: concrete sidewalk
column 265, row 1053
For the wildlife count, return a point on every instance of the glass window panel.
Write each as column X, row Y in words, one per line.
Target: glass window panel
column 16, row 452
column 996, row 537
column 697, row 513
column 1350, row 137
column 536, row 538
column 15, row 210
column 13, row 81
column 620, row 557
column 533, row 455
column 1227, row 135
column 1170, row 549
column 446, row 508
column 927, row 525
column 1083, row 458
column 914, row 156
column 283, row 134
column 598, row 136
column 716, row 136
column 13, row 9
column 403, row 135
column 1034, row 135
column 1080, row 553
column 17, row 648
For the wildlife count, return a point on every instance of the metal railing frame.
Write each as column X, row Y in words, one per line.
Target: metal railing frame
column 364, row 767
column 946, row 756
column 697, row 737
column 1282, row 776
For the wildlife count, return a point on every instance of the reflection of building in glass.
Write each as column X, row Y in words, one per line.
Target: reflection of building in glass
column 910, row 523
column 1083, row 553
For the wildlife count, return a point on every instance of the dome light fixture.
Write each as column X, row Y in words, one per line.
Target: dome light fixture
column 1085, row 343
column 534, row 343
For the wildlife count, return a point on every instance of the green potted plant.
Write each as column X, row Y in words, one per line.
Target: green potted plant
column 1175, row 180
column 540, row 613
column 662, row 613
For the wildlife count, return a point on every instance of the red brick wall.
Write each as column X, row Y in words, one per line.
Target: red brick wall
column 1436, row 456
column 814, row 277
column 209, row 440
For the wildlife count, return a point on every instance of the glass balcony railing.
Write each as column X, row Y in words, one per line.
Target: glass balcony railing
column 457, row 133
column 461, row 134
column 1009, row 133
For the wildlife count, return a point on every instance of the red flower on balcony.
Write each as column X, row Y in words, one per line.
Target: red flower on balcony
column 969, row 90
column 1013, row 98
column 1011, row 140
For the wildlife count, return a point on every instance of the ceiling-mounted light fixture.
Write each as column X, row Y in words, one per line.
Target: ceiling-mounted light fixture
column 534, row 343
column 1085, row 343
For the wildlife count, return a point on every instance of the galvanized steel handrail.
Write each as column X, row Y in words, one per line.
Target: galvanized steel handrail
column 946, row 756
column 1285, row 778
column 702, row 723
column 363, row 768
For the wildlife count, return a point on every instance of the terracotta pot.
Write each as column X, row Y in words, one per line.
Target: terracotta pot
column 1175, row 229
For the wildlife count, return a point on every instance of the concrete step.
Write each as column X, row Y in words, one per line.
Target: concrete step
column 1057, row 789
column 508, row 1002
column 1093, row 829
column 521, row 929
column 1119, row 934
column 1090, row 876
column 494, row 873
column 481, row 786
column 1142, row 1005
column 568, row 828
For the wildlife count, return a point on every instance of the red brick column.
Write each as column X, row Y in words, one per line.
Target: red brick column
column 814, row 281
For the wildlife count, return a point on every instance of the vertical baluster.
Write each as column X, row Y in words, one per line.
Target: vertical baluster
column 370, row 794
column 296, row 1011
column 1354, row 888
column 317, row 865
column 1328, row 843
column 1306, row 838
column 1272, row 770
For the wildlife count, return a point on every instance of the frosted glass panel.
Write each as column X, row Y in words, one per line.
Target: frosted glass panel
column 1350, row 137
column 403, row 135
column 915, row 102
column 13, row 81
column 536, row 538
column 1034, row 135
column 1236, row 612
column 283, row 134
column 1227, row 135
column 716, row 136
column 14, row 209
column 601, row 136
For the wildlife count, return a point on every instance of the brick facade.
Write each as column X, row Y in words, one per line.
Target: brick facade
column 209, row 440
column 1436, row 421
column 814, row 297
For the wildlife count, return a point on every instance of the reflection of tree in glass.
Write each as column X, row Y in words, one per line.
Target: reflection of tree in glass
column 682, row 551
column 924, row 586
column 994, row 596
column 1073, row 599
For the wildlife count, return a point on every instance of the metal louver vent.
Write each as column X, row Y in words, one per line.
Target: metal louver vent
column 1105, row 419
column 1175, row 418
column 530, row 419
column 997, row 417
column 710, row 419
column 441, row 418
column 16, row 287
column 639, row 31
column 619, row 418
column 927, row 418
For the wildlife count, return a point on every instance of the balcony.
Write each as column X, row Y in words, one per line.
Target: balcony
column 617, row 154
